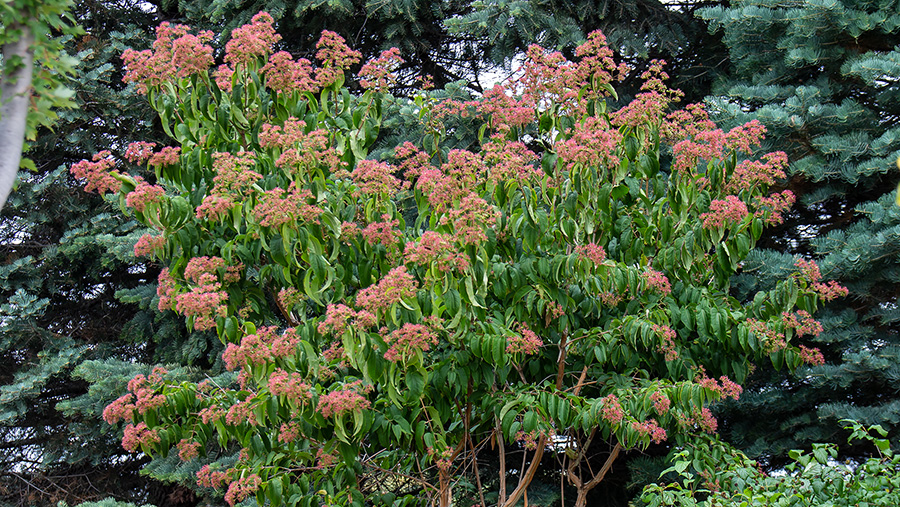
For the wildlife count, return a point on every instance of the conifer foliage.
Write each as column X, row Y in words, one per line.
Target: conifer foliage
column 388, row 318
column 822, row 77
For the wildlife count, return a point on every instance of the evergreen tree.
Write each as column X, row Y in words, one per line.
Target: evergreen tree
column 822, row 76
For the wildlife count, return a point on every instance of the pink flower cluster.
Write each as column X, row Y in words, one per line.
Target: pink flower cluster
column 241, row 413
column 98, row 173
column 657, row 281
column 705, row 420
column 751, row 173
column 661, row 402
column 771, row 208
column 811, row 356
column 525, row 341
column 470, row 219
column 143, row 195
column 252, row 41
column 592, row 143
column 612, row 411
column 175, row 53
column 285, row 75
column 325, row 459
column 383, row 233
column 407, row 341
column 142, row 396
column 375, row 178
column 505, row 110
column 137, row 435
column 809, row 270
column 592, row 252
column 771, row 340
column 434, row 247
column 335, row 57
column 831, row 290
column 169, row 155
column 724, row 388
column 651, row 429
column 207, row 477
column 187, row 449
column 289, row 385
column 394, row 287
column 139, row 152
column 345, row 399
column 507, row 161
column 241, row 489
column 802, row 322
column 337, row 318
column 289, row 432
column 257, row 349
column 723, row 212
column 211, row 414
column 667, row 346
column 528, row 440
column 147, row 244
column 378, row 74
column 277, row 207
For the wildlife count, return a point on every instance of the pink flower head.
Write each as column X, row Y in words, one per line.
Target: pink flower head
column 592, row 252
column 510, row 161
column 651, row 429
column 705, row 420
column 661, row 402
column 809, row 270
column 504, row 109
column 408, row 340
column 98, row 173
column 375, row 178
column 241, row 489
column 337, row 317
column 252, row 41
column 612, row 411
column 802, row 322
column 187, row 449
column 289, row 385
column 143, row 195
column 811, row 356
column 593, row 143
column 285, row 75
column 435, row 248
column 831, row 290
column 657, row 280
column 524, row 342
column 206, row 477
column 335, row 57
column 394, row 287
column 169, row 155
column 175, row 53
column 378, row 74
column 147, row 245
column 137, row 435
column 139, row 152
column 344, row 400
column 277, row 207
column 771, row 208
column 722, row 212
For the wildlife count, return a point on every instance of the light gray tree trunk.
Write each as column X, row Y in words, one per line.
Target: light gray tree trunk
column 15, row 98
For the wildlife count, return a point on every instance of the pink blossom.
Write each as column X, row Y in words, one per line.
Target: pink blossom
column 139, row 152
column 435, row 248
column 651, row 429
column 234, row 172
column 831, row 290
column 169, row 155
column 507, row 160
column 252, row 41
column 375, row 178
column 137, row 435
column 277, row 207
column 809, row 270
column 241, row 413
column 166, row 289
column 751, row 173
column 667, row 347
column 335, row 57
column 661, row 402
column 771, row 340
column 394, row 287
column 98, row 173
column 612, row 411
column 147, row 244
column 723, row 212
column 241, row 489
column 378, row 74
column 657, row 281
column 215, row 207
column 505, row 110
column 325, row 459
column 706, row 421
column 470, row 219
column 343, row 400
column 383, row 233
column 802, row 322
column 592, row 143
column 408, row 340
column 770, row 208
column 337, row 316
column 211, row 414
column 119, row 410
column 592, row 252
column 285, row 75
column 223, row 75
column 175, row 53
column 525, row 341
column 206, row 477
column 187, row 449
column 259, row 348
column 289, row 385
column 289, row 432
column 144, row 195
column 811, row 356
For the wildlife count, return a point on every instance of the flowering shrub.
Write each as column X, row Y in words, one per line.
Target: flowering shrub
column 384, row 316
